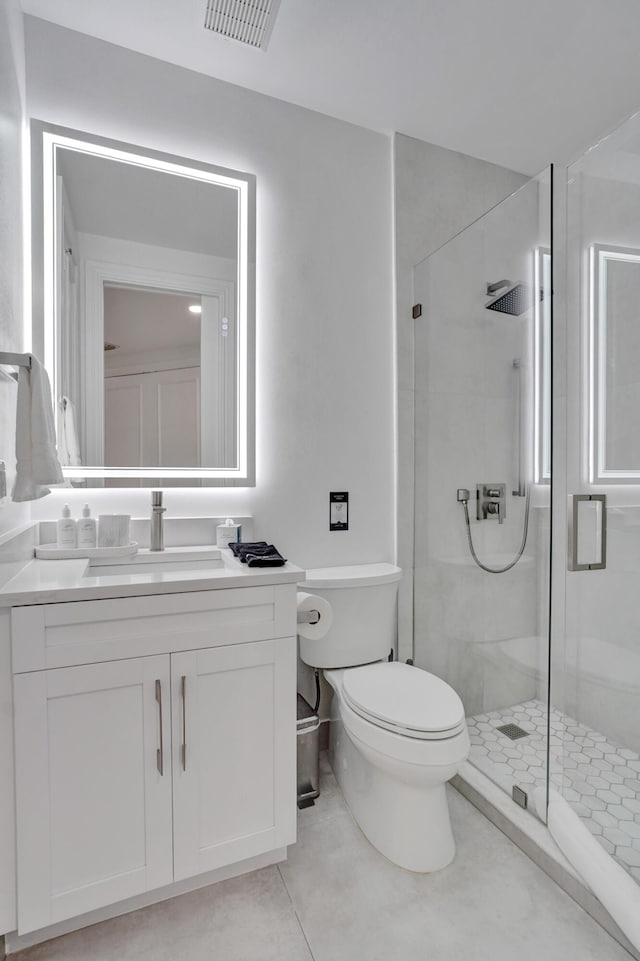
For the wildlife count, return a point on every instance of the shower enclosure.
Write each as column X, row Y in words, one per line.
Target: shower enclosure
column 482, row 562
column 527, row 488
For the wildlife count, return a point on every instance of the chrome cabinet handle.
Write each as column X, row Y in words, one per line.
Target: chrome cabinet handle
column 183, row 691
column 160, row 750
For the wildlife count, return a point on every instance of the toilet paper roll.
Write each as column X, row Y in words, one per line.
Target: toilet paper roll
column 312, row 602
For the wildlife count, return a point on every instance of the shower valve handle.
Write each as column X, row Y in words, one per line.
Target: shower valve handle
column 495, row 508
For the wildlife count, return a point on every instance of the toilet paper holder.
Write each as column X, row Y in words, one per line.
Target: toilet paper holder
column 308, row 617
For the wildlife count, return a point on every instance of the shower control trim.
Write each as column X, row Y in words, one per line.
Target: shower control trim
column 491, row 502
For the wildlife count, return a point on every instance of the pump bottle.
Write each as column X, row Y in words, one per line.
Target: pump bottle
column 66, row 529
column 87, row 535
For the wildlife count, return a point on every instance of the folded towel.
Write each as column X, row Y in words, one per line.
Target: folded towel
column 238, row 548
column 274, row 559
column 69, row 448
column 258, row 554
column 37, row 462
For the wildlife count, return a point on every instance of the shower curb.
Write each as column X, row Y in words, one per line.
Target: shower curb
column 534, row 840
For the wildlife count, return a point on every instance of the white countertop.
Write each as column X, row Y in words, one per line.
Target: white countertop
column 54, row 582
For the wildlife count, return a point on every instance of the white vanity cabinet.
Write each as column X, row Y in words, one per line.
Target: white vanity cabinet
column 134, row 772
column 231, row 712
column 93, row 810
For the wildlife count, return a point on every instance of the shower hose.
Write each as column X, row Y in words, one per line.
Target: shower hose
column 507, row 567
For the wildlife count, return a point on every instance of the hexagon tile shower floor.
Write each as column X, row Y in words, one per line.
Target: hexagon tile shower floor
column 600, row 780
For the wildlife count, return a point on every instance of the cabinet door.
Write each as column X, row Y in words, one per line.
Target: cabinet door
column 93, row 786
column 234, row 732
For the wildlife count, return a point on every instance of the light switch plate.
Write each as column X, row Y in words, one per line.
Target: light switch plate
column 339, row 511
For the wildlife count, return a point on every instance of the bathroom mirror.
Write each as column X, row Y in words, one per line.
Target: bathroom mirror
column 614, row 339
column 143, row 301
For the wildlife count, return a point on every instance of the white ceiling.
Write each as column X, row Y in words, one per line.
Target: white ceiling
column 517, row 82
column 169, row 211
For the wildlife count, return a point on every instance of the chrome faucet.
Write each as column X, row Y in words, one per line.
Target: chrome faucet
column 156, row 542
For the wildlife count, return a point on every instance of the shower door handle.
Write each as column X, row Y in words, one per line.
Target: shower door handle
column 588, row 532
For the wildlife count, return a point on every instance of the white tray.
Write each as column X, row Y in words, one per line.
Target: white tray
column 51, row 552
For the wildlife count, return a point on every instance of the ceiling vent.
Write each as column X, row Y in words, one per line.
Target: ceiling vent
column 248, row 21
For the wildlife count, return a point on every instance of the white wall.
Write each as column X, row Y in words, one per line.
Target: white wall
column 325, row 406
column 11, row 338
column 11, row 316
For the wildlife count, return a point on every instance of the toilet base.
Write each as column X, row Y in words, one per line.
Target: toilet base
column 404, row 814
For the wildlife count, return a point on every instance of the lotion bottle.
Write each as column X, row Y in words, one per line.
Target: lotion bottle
column 87, row 528
column 66, row 529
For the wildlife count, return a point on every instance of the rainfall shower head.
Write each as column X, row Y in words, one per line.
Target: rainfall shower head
column 514, row 301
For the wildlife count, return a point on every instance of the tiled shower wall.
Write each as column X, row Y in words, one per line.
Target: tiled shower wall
column 437, row 193
column 483, row 633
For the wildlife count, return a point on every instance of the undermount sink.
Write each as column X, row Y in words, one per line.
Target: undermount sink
column 173, row 560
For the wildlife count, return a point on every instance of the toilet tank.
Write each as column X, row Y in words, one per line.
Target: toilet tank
column 363, row 601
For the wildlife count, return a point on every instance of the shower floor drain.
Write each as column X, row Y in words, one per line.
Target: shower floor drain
column 512, row 731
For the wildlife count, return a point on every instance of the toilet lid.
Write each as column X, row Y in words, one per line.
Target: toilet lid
column 400, row 696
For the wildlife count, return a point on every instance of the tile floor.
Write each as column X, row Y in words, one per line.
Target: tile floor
column 600, row 780
column 336, row 899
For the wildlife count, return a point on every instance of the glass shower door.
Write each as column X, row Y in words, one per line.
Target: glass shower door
column 482, row 481
column 598, row 671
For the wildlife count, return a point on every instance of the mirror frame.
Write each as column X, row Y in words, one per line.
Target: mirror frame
column 46, row 139
column 599, row 257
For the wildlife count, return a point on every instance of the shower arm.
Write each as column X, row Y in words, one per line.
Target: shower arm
column 494, row 288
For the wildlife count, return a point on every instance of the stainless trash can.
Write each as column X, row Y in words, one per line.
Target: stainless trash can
column 308, row 743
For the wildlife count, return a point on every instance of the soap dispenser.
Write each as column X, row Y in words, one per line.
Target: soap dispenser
column 87, row 535
column 66, row 529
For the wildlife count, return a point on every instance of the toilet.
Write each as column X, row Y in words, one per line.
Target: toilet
column 398, row 733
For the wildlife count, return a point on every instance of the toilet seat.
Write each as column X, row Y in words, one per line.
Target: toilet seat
column 404, row 699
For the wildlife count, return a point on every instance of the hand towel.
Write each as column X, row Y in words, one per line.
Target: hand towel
column 272, row 559
column 238, row 548
column 69, row 448
column 258, row 554
column 37, row 462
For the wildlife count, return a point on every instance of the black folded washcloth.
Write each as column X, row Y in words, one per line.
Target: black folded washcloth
column 258, row 554
column 238, row 547
column 274, row 559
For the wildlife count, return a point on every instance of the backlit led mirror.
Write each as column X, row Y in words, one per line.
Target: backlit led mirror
column 614, row 344
column 144, row 279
